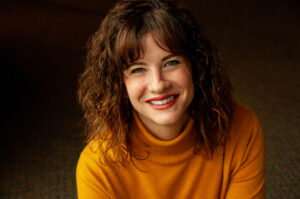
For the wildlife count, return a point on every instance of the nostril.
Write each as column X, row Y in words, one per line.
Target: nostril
column 159, row 86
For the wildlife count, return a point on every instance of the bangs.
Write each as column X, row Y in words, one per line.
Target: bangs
column 165, row 30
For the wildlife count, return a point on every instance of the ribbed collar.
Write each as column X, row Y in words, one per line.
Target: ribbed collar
column 161, row 151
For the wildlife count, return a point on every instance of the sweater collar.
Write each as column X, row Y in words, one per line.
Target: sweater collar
column 163, row 150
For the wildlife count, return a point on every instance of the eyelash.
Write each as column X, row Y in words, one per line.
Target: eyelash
column 168, row 63
column 137, row 70
column 171, row 63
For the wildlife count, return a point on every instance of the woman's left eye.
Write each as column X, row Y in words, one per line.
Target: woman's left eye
column 172, row 62
column 138, row 70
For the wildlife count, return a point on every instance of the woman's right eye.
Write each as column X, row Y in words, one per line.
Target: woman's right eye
column 172, row 62
column 137, row 70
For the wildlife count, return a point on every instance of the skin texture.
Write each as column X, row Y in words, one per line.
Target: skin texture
column 160, row 74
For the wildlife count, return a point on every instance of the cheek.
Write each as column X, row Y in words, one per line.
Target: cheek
column 134, row 88
column 184, row 79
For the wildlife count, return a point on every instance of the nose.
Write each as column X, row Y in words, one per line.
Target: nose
column 158, row 83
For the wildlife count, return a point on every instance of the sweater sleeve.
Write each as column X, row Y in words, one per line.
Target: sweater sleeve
column 247, row 179
column 89, row 178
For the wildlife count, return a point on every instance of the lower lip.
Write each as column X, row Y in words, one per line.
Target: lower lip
column 164, row 106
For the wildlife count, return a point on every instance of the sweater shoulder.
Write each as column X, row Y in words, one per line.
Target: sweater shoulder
column 245, row 153
column 95, row 150
column 245, row 126
column 243, row 113
column 92, row 172
column 244, row 120
column 246, row 135
column 89, row 157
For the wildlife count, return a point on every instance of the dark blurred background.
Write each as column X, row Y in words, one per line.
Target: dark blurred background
column 42, row 51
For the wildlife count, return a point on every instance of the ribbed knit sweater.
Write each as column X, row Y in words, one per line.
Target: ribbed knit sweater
column 171, row 169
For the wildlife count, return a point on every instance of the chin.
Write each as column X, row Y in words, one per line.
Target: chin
column 167, row 119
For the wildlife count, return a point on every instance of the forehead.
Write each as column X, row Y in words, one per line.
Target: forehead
column 152, row 45
column 130, row 47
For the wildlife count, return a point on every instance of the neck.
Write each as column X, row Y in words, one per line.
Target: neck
column 165, row 132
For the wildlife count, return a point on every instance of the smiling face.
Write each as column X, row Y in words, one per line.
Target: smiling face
column 160, row 87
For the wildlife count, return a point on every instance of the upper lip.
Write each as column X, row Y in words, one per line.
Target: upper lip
column 160, row 98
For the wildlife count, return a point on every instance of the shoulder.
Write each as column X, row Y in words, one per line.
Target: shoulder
column 91, row 173
column 245, row 133
column 244, row 122
column 89, row 160
column 93, row 154
column 245, row 155
column 242, row 113
column 246, row 140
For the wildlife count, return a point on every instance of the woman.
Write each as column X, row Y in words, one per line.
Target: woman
column 161, row 119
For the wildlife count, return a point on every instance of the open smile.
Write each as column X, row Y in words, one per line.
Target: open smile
column 161, row 103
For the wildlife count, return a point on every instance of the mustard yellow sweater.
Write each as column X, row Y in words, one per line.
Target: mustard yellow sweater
column 173, row 170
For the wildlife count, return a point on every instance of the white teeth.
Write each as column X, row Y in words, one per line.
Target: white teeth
column 165, row 101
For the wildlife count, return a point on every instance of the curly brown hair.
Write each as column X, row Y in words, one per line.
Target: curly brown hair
column 117, row 42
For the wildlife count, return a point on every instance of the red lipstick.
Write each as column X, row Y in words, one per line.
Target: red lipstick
column 163, row 106
column 160, row 98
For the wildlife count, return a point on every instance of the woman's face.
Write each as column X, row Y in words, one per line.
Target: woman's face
column 159, row 85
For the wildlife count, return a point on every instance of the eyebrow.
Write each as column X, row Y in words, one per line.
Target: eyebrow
column 162, row 60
